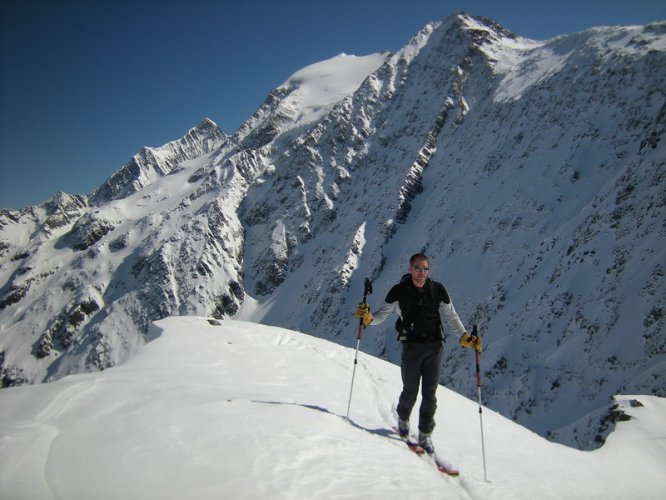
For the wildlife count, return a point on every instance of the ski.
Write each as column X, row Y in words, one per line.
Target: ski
column 440, row 464
column 419, row 450
column 443, row 467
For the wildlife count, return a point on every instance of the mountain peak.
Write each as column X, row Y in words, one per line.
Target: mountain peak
column 152, row 163
column 307, row 96
column 480, row 24
column 208, row 127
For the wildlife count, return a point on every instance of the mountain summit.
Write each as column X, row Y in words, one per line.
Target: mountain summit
column 532, row 172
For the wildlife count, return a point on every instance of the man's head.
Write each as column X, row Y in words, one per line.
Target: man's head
column 418, row 268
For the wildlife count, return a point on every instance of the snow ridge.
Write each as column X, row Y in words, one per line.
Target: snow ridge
column 241, row 410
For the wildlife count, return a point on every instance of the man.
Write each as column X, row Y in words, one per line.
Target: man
column 421, row 304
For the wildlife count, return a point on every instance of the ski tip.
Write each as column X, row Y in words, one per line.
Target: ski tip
column 449, row 472
column 445, row 468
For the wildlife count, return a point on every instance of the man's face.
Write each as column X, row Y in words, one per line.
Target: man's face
column 419, row 271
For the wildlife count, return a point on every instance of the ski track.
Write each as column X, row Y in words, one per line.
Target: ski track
column 58, row 407
column 379, row 389
column 65, row 399
column 459, row 481
column 308, row 457
column 256, row 412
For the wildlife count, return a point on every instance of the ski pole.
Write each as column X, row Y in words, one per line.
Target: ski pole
column 366, row 291
column 478, row 387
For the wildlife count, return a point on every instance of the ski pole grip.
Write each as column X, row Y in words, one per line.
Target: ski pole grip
column 367, row 290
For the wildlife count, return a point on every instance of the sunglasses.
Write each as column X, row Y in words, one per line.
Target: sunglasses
column 420, row 269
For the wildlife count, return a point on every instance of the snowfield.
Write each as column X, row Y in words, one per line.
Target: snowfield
column 241, row 410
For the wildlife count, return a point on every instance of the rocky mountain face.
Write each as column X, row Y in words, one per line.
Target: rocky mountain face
column 532, row 173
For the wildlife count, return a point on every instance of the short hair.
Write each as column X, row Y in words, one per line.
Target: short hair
column 418, row 256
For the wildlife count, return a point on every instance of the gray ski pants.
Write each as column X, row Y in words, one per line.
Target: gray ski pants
column 421, row 363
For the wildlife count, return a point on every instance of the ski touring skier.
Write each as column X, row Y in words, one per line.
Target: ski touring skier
column 421, row 304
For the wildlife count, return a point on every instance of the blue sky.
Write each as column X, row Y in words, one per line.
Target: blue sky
column 85, row 84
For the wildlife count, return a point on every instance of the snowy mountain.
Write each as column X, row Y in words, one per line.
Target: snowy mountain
column 240, row 410
column 532, row 172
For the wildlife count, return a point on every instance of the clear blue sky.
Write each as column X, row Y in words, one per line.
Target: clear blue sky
column 85, row 84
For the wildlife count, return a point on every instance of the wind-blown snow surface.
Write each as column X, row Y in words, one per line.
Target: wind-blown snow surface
column 239, row 410
column 313, row 91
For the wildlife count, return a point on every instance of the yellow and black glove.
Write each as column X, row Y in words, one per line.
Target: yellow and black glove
column 471, row 342
column 363, row 313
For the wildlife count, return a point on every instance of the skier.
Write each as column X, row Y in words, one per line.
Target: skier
column 419, row 301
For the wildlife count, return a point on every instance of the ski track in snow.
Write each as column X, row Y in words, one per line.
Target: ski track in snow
column 251, row 411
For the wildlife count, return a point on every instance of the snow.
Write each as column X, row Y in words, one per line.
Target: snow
column 540, row 208
column 528, row 68
column 241, row 410
column 315, row 89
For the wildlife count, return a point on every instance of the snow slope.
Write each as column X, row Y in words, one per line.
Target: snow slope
column 316, row 89
column 240, row 410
